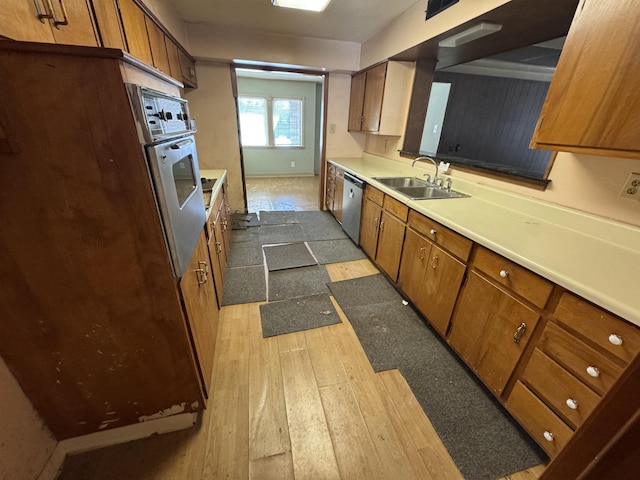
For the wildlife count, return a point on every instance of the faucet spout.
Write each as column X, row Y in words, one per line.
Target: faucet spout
column 435, row 176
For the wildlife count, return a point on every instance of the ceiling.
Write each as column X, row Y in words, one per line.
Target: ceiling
column 345, row 20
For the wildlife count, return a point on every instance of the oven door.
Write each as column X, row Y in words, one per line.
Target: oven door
column 176, row 178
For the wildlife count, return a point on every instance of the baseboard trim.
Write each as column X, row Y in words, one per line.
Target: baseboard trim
column 115, row 436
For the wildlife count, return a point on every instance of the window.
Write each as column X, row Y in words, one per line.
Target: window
column 270, row 121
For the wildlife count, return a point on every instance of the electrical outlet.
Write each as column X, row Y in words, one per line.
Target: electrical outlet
column 631, row 187
column 332, row 128
column 293, row 164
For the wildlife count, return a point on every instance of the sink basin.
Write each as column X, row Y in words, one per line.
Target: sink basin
column 418, row 189
column 395, row 182
column 428, row 193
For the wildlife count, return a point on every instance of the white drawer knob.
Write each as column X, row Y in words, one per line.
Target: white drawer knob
column 548, row 436
column 572, row 404
column 593, row 371
column 433, row 231
column 504, row 273
column 615, row 339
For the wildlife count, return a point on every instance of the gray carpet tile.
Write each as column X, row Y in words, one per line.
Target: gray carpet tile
column 278, row 217
column 289, row 255
column 245, row 235
column 241, row 221
column 298, row 282
column 323, row 231
column 315, row 216
column 297, row 314
column 281, row 233
column 369, row 290
column 244, row 285
column 482, row 438
column 335, row 251
column 244, row 254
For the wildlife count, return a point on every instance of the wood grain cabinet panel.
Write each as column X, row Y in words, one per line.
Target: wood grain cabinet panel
column 158, row 47
column 356, row 102
column 135, row 29
column 593, row 104
column 71, row 22
column 109, row 24
column 551, row 433
column 370, row 222
column 483, row 330
column 198, row 293
column 390, row 243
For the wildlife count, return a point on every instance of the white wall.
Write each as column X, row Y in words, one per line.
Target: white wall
column 25, row 442
column 260, row 161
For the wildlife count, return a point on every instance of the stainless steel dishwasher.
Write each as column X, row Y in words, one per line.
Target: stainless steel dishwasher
column 352, row 206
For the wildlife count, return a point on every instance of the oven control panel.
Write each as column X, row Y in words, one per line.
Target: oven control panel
column 159, row 116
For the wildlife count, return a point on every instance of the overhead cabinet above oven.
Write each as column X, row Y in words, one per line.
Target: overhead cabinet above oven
column 94, row 328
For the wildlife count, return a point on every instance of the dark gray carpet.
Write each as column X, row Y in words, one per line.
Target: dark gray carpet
column 278, row 217
column 322, row 230
column 245, row 235
column 244, row 285
column 245, row 254
column 335, row 251
column 241, row 221
column 289, row 255
column 281, row 233
column 296, row 314
column 298, row 282
column 482, row 438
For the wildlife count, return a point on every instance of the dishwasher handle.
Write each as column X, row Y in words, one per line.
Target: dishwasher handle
column 355, row 180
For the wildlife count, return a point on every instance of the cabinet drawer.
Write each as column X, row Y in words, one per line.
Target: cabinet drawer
column 563, row 392
column 396, row 208
column 590, row 366
column 446, row 238
column 518, row 279
column 339, row 173
column 331, row 169
column 375, row 195
column 599, row 326
column 544, row 426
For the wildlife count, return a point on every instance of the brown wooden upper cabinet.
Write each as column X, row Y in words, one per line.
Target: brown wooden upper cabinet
column 593, row 103
column 65, row 21
column 380, row 98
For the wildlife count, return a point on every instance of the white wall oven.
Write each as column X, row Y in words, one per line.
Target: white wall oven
column 166, row 133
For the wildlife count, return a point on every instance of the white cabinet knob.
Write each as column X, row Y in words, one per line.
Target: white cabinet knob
column 572, row 404
column 504, row 273
column 548, row 436
column 615, row 339
column 593, row 371
column 433, row 231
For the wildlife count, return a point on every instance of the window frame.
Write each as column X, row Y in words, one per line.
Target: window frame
column 270, row 124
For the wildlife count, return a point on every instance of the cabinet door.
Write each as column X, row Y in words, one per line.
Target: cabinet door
column 174, row 58
column 158, row 47
column 444, row 278
column 108, row 19
column 413, row 267
column 79, row 28
column 188, row 70
column 202, row 311
column 483, row 330
column 369, row 227
column 337, row 197
column 356, row 102
column 373, row 93
column 19, row 21
column 135, row 30
column 593, row 102
column 217, row 256
column 390, row 244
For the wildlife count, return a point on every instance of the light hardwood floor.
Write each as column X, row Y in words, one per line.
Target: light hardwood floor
column 282, row 193
column 306, row 405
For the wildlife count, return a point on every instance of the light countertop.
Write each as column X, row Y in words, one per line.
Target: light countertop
column 594, row 257
column 220, row 176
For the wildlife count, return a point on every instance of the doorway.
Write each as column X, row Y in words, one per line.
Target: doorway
column 281, row 123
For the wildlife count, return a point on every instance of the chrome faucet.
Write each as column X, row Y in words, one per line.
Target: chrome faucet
column 435, row 176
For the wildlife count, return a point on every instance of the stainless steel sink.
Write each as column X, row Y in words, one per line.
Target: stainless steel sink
column 428, row 193
column 418, row 189
column 395, row 182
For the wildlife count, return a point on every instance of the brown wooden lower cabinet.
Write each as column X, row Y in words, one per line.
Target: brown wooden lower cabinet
column 370, row 222
column 218, row 242
column 199, row 296
column 484, row 327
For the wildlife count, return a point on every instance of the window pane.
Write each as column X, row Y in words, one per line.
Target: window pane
column 253, row 121
column 287, row 122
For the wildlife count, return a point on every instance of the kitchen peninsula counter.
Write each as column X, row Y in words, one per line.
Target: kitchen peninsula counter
column 591, row 256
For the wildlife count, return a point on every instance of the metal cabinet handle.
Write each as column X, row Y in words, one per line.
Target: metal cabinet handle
column 572, row 404
column 382, row 225
column 434, row 262
column 42, row 16
column 433, row 231
column 204, row 265
column 201, row 275
column 519, row 332
column 421, row 253
column 593, row 371
column 504, row 273
column 548, row 436
column 615, row 339
column 218, row 247
column 65, row 17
